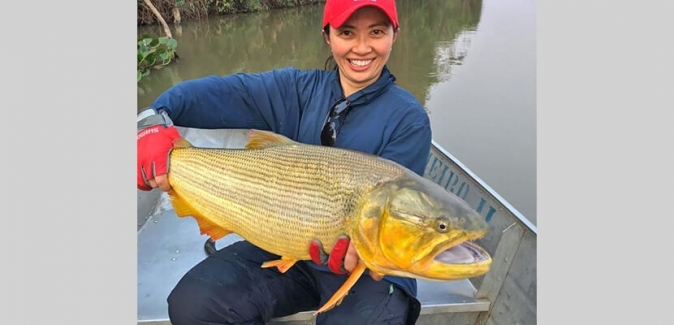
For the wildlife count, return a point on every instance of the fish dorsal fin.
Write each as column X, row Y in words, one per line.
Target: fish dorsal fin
column 258, row 139
column 181, row 143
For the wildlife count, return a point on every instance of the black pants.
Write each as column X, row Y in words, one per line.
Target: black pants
column 230, row 287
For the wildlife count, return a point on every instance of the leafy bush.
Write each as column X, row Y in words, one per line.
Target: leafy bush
column 155, row 53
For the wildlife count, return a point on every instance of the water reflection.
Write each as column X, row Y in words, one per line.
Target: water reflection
column 426, row 50
column 422, row 56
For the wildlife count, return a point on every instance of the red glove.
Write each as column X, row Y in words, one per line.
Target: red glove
column 154, row 144
column 335, row 260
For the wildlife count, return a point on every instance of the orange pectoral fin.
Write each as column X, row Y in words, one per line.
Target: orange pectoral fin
column 339, row 295
column 283, row 265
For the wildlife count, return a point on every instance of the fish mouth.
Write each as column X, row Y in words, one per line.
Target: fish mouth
column 465, row 253
column 457, row 260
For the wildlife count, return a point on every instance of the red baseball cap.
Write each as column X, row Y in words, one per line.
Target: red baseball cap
column 337, row 12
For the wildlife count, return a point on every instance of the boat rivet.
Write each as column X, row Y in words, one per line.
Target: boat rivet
column 506, row 259
column 173, row 259
column 177, row 251
column 155, row 221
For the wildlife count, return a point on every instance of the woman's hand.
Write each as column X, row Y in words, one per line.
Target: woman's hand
column 343, row 257
column 351, row 260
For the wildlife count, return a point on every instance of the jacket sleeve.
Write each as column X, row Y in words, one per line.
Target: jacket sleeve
column 243, row 100
column 411, row 147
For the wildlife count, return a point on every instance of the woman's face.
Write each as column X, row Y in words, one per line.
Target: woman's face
column 361, row 47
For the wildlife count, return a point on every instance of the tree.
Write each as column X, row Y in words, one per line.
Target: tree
column 167, row 31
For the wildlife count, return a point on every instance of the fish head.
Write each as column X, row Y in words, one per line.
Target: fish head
column 415, row 228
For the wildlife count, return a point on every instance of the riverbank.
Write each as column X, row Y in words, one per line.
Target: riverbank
column 176, row 11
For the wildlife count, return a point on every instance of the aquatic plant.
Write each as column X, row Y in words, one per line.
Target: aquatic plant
column 155, row 53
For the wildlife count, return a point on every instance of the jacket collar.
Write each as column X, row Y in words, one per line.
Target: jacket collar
column 367, row 94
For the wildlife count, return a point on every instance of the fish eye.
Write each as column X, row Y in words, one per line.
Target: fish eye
column 462, row 220
column 442, row 226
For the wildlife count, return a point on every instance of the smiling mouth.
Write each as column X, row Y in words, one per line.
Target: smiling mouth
column 360, row 63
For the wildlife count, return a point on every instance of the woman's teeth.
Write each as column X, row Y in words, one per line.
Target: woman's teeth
column 360, row 63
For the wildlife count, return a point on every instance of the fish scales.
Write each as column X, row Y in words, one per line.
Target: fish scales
column 309, row 191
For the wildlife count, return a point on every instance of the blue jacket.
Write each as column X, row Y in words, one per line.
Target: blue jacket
column 385, row 120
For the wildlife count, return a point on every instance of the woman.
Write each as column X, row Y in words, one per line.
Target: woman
column 356, row 105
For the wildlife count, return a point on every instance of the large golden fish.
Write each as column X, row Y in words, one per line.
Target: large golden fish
column 280, row 195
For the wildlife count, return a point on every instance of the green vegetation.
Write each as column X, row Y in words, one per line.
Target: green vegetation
column 177, row 10
column 155, row 53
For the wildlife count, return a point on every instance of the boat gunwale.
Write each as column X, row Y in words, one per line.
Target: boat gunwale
column 500, row 199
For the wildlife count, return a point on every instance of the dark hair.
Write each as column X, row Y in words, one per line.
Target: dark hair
column 330, row 60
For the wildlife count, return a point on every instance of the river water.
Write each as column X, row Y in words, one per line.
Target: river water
column 471, row 63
